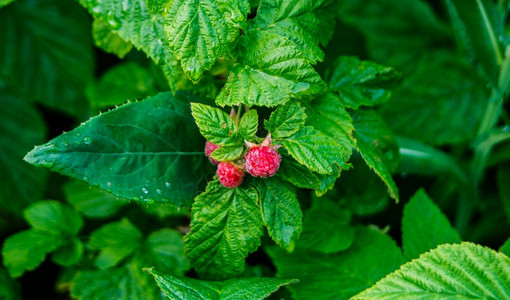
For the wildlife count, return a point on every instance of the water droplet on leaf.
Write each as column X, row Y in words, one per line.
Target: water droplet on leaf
column 87, row 140
column 145, row 191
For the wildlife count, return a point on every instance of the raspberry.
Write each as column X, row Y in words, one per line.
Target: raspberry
column 230, row 175
column 263, row 160
column 209, row 148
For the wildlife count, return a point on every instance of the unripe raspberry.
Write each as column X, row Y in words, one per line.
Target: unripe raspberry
column 230, row 175
column 209, row 148
column 262, row 160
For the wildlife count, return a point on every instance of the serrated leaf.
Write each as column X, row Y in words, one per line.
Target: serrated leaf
column 143, row 150
column 240, row 288
column 326, row 229
column 327, row 181
column 340, row 275
column 133, row 23
column 115, row 242
column 466, row 271
column 201, row 31
column 47, row 52
column 22, row 126
column 297, row 174
column 377, row 145
column 92, row 202
column 286, row 120
column 9, row 288
column 108, row 40
column 271, row 70
column 165, row 251
column 69, row 253
column 361, row 83
column 54, row 217
column 214, row 124
column 227, row 153
column 281, row 212
column 249, row 125
column 306, row 23
column 226, row 225
column 27, row 249
column 503, row 178
column 424, row 226
column 315, row 150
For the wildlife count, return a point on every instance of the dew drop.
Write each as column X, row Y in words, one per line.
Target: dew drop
column 108, row 184
column 85, row 178
column 145, row 191
column 87, row 140
column 113, row 21
column 158, row 191
column 167, row 184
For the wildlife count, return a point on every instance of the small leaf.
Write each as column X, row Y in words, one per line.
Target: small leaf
column 108, row 40
column 315, row 150
column 424, row 226
column 166, row 251
column 270, row 72
column 69, row 253
column 115, row 242
column 227, row 153
column 249, row 125
column 226, row 225
column 27, row 249
column 378, row 146
column 240, row 288
column 214, row 124
column 145, row 150
column 286, row 120
column 54, row 217
column 281, row 212
column 361, row 83
column 450, row 271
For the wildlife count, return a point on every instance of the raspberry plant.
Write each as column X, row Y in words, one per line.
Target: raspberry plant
column 223, row 149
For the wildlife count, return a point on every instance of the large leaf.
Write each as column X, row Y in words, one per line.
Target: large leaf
column 144, row 151
column 465, row 271
column 201, row 31
column 271, row 71
column 226, row 225
column 47, row 51
column 307, row 23
column 133, row 23
column 340, row 275
column 424, row 226
column 214, row 124
column 378, row 146
column 281, row 212
column 240, row 288
column 21, row 128
column 286, row 120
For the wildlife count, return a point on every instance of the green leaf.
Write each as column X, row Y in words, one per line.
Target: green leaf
column 281, row 212
column 9, row 288
column 297, row 174
column 340, row 275
column 315, row 150
column 249, row 125
column 481, row 34
column 108, row 40
column 436, row 109
column 143, row 150
column 424, row 226
column 306, row 23
column 227, row 153
column 377, row 145
column 47, row 52
column 503, row 178
column 327, row 181
column 92, row 202
column 127, row 81
column 165, row 251
column 327, row 229
column 133, row 23
column 54, row 217
column 22, row 126
column 27, row 249
column 214, row 124
column 4, row 3
column 449, row 271
column 240, row 288
column 226, row 225
column 271, row 70
column 69, row 253
column 286, row 120
column 505, row 248
column 361, row 83
column 115, row 242
column 201, row 31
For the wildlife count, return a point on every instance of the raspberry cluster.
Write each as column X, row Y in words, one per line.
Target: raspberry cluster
column 260, row 161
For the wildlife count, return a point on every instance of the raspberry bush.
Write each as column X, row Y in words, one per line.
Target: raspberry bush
column 232, row 149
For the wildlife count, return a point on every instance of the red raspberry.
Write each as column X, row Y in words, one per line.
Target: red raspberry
column 230, row 175
column 263, row 160
column 209, row 148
